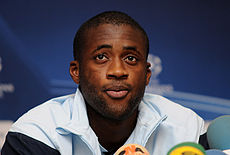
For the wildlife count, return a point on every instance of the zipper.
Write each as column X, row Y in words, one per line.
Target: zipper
column 153, row 129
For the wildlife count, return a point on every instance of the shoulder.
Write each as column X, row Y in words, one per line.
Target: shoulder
column 17, row 143
column 40, row 122
column 163, row 105
column 47, row 112
column 176, row 114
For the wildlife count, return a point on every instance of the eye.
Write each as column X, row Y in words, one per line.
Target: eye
column 101, row 58
column 131, row 60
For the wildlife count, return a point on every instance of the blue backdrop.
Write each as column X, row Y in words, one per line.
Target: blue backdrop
column 189, row 45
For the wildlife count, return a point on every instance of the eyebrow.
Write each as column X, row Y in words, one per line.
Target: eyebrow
column 132, row 48
column 102, row 46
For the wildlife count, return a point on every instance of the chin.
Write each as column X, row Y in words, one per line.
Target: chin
column 116, row 118
column 117, row 115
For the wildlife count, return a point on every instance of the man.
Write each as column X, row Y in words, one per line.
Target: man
column 109, row 108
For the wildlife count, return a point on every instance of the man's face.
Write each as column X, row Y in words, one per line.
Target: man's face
column 113, row 71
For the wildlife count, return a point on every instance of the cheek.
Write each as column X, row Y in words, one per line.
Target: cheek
column 138, row 75
column 92, row 75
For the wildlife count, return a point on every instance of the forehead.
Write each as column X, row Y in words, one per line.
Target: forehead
column 110, row 29
column 110, row 33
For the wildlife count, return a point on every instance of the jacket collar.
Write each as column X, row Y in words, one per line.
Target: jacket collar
column 148, row 120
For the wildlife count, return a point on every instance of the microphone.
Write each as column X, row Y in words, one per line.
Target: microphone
column 132, row 149
column 187, row 148
column 218, row 134
column 214, row 152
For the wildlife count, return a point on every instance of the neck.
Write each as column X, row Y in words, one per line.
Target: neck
column 111, row 134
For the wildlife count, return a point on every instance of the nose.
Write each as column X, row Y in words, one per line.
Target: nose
column 117, row 70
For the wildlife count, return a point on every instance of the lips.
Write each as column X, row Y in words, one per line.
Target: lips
column 118, row 91
column 117, row 94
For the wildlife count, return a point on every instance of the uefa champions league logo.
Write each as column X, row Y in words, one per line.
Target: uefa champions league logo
column 156, row 66
column 154, row 85
column 5, row 87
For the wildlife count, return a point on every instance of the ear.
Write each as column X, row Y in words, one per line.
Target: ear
column 148, row 73
column 74, row 71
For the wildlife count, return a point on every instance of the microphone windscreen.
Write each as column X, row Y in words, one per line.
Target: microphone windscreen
column 187, row 148
column 214, row 152
column 218, row 133
column 132, row 149
column 227, row 151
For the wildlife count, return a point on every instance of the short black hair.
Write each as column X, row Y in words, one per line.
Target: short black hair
column 107, row 17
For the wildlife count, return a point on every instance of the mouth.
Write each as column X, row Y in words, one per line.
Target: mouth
column 117, row 92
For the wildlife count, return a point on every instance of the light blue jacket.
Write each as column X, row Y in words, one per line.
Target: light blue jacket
column 62, row 124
